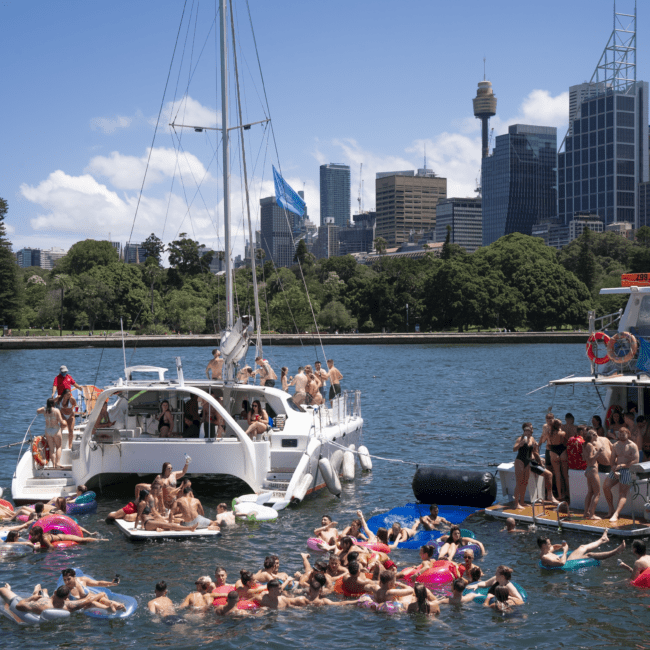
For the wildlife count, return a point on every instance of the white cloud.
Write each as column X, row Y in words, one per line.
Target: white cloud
column 10, row 229
column 127, row 172
column 110, row 124
column 188, row 111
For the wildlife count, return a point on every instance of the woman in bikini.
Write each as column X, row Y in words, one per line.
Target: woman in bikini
column 258, row 420
column 153, row 522
column 53, row 423
column 284, row 378
column 398, row 533
column 169, row 481
column 453, row 541
column 46, row 540
column 67, row 405
column 246, row 586
column 615, row 424
column 421, row 604
column 387, row 591
column 165, row 421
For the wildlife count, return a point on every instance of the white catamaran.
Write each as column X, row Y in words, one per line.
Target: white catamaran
column 305, row 449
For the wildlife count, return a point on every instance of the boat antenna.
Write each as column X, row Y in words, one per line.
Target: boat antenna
column 258, row 319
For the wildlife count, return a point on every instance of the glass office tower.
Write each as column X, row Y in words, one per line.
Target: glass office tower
column 605, row 156
column 335, row 194
column 519, row 181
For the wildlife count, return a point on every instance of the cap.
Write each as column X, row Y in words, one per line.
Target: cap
column 63, row 369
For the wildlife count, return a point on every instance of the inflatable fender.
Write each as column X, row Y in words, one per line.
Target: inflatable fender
column 347, row 469
column 643, row 580
column 364, row 459
column 482, row 593
column 130, row 603
column 571, row 565
column 255, row 512
column 336, row 460
column 454, row 487
column 330, row 477
column 303, row 486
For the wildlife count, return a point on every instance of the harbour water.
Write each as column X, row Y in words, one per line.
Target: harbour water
column 456, row 406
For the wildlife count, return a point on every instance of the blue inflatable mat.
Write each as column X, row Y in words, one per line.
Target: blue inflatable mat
column 423, row 537
column 407, row 515
column 482, row 593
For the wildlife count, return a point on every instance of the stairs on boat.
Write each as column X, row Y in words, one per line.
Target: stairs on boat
column 50, row 481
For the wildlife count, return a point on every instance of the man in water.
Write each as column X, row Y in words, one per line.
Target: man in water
column 201, row 599
column 551, row 560
column 274, row 598
column 161, row 604
column 271, row 570
column 355, row 583
column 511, row 527
column 224, row 516
column 215, row 366
column 191, row 511
column 432, row 521
column 624, row 454
column 314, row 596
column 230, row 608
column 62, row 381
column 335, row 377
column 300, row 382
column 457, row 597
column 39, row 601
column 642, row 560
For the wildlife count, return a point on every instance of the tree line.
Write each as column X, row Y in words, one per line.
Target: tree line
column 516, row 283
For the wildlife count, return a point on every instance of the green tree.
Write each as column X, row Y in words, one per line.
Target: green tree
column 154, row 247
column 302, row 255
column 587, row 266
column 185, row 256
column 85, row 255
column 380, row 245
column 290, row 311
column 334, row 316
column 642, row 236
column 11, row 299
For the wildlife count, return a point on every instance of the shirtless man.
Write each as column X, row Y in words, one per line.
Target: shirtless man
column 432, row 521
column 314, row 597
column 215, row 366
column 39, row 601
column 569, row 426
column 321, row 373
column 244, row 374
column 161, row 605
column 637, row 432
column 327, row 530
column 191, row 511
column 266, row 373
column 230, row 608
column 77, row 587
column 300, row 382
column 313, row 388
column 457, row 597
column 511, row 527
column 271, row 570
column 356, row 582
column 319, row 567
column 591, row 450
column 642, row 562
column 335, row 377
column 387, row 590
column 550, row 559
column 273, row 599
column 624, row 454
column 201, row 599
column 224, row 516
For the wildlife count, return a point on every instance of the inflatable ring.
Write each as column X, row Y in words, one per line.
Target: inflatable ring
column 643, row 580
column 617, row 338
column 40, row 458
column 15, row 550
column 391, row 607
column 591, row 343
column 313, row 544
column 59, row 523
column 374, row 546
column 461, row 550
column 571, row 565
column 6, row 504
column 81, row 508
column 86, row 497
column 441, row 572
column 247, row 604
column 610, row 410
column 221, row 594
column 367, row 602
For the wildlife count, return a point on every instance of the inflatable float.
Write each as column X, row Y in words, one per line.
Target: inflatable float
column 643, row 580
column 571, row 565
column 254, row 511
column 6, row 504
column 82, row 505
column 10, row 551
column 441, row 572
column 27, row 618
column 454, row 487
column 129, row 602
column 482, row 592
column 127, row 527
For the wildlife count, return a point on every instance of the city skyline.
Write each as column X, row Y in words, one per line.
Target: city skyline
column 77, row 158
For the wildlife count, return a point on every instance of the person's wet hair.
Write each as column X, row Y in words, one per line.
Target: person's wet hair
column 421, row 595
column 541, row 541
column 161, row 586
column 12, row 536
column 385, row 577
column 38, row 508
column 233, row 596
column 68, row 572
column 637, row 545
column 273, row 584
column 269, row 561
column 475, row 573
column 569, row 416
column 320, row 579
column 245, row 577
column 320, row 565
column 459, row 585
column 62, row 592
column 382, row 535
column 505, row 571
column 353, row 568
column 501, row 593
column 428, row 550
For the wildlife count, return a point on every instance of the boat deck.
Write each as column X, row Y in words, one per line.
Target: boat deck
column 573, row 520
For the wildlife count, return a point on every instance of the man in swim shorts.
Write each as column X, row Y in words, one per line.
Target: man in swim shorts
column 335, row 376
column 161, row 604
column 201, row 599
column 215, row 366
column 642, row 560
column 224, row 516
column 624, row 454
column 191, row 511
column 551, row 560
column 39, row 601
column 77, row 586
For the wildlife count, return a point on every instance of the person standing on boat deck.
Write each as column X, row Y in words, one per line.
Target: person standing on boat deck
column 638, row 434
column 528, row 460
column 165, row 420
column 569, row 426
column 557, row 446
column 624, row 454
column 119, row 411
column 642, row 562
column 67, row 405
column 192, row 408
column 244, row 374
column 266, row 373
column 615, row 425
column 284, row 371
column 62, row 381
column 215, row 366
column 590, row 451
column 300, row 382
column 335, row 377
column 313, row 388
column 321, row 373
column 604, row 455
column 53, row 423
column 574, row 447
column 597, row 424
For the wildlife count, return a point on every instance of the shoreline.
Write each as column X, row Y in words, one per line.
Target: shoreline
column 208, row 340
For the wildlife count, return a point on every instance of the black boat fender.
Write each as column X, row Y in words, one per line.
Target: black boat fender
column 454, row 487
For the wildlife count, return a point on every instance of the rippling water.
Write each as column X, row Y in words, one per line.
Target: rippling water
column 459, row 406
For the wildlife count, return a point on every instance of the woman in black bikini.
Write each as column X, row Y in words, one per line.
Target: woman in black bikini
column 524, row 448
column 165, row 421
column 559, row 459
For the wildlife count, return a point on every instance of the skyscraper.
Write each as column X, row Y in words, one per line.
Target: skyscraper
column 464, row 216
column 276, row 225
column 406, row 203
column 134, row 253
column 28, row 257
column 604, row 156
column 335, row 194
column 519, row 181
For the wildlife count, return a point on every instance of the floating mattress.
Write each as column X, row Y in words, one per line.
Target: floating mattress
column 10, row 551
column 127, row 528
column 407, row 515
column 27, row 618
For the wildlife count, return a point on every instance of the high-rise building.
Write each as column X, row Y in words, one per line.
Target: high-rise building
column 406, row 202
column 360, row 237
column 644, row 205
column 28, row 257
column 118, row 247
column 518, row 181
column 134, row 253
column 579, row 222
column 335, row 194
column 276, row 225
column 328, row 240
column 604, row 156
column 50, row 257
column 553, row 232
column 464, row 216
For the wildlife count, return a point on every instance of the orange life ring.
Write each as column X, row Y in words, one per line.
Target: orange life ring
column 610, row 410
column 591, row 343
column 40, row 458
column 611, row 347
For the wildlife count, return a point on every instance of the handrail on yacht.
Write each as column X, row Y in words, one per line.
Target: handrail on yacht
column 20, row 453
column 533, row 504
column 557, row 513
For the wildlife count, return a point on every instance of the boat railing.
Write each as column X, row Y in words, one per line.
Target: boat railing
column 343, row 406
column 22, row 444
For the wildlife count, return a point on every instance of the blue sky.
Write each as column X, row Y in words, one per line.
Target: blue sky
column 352, row 82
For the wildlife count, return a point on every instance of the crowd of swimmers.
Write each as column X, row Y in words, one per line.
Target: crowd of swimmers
column 590, row 448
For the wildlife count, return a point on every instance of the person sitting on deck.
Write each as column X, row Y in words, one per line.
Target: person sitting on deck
column 258, row 420
column 550, row 559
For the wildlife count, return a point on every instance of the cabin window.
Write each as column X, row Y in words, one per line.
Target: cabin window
column 643, row 322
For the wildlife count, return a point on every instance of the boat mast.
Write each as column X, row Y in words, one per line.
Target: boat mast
column 226, row 162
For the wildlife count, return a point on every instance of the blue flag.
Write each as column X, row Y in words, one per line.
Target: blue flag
column 285, row 196
column 643, row 362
